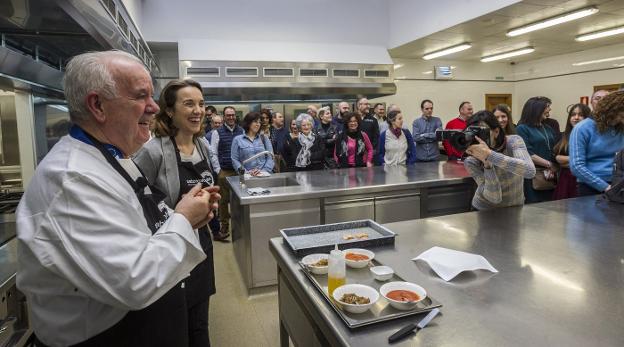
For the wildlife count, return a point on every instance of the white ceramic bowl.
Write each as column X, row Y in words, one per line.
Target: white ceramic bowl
column 310, row 259
column 382, row 273
column 403, row 305
column 357, row 289
column 358, row 264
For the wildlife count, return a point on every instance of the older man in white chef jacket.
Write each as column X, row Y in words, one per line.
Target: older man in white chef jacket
column 101, row 259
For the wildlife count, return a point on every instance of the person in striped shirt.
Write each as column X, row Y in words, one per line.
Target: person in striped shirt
column 499, row 165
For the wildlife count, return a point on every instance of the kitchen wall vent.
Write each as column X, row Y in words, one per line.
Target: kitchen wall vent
column 278, row 72
column 313, row 72
column 202, row 72
column 241, row 72
column 346, row 73
column 376, row 73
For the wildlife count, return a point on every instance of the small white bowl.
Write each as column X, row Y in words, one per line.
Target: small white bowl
column 358, row 264
column 403, row 305
column 359, row 290
column 382, row 273
column 310, row 259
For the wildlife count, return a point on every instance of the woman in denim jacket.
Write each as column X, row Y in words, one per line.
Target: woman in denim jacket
column 249, row 144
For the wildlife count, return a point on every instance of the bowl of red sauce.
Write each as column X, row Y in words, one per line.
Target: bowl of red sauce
column 358, row 257
column 403, row 295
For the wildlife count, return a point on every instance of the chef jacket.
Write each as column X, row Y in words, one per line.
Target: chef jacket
column 85, row 253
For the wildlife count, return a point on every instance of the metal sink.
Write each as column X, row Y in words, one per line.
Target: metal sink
column 268, row 182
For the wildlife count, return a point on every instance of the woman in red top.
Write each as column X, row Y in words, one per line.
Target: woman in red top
column 353, row 147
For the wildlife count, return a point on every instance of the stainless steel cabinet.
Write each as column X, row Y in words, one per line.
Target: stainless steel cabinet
column 349, row 208
column 397, row 206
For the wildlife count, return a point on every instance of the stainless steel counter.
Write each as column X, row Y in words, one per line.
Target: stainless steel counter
column 560, row 281
column 383, row 194
column 328, row 183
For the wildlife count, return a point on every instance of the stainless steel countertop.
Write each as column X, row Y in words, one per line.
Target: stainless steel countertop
column 325, row 183
column 560, row 278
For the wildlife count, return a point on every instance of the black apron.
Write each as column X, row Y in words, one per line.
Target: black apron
column 201, row 284
column 164, row 322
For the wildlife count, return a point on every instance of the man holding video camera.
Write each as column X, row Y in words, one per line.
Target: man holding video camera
column 459, row 123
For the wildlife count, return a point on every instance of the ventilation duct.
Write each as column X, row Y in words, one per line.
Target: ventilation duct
column 230, row 81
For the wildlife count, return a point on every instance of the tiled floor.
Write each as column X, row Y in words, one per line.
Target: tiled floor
column 235, row 318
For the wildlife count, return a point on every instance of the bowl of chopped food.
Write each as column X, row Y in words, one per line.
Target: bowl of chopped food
column 317, row 263
column 357, row 257
column 403, row 295
column 355, row 298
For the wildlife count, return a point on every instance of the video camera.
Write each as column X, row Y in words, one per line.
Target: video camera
column 462, row 139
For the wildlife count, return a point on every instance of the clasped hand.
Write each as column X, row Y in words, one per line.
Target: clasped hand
column 198, row 205
column 480, row 151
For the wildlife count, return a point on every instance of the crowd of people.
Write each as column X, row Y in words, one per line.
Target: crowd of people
column 157, row 198
column 531, row 161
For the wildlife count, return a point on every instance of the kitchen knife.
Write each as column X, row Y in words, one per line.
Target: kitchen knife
column 408, row 328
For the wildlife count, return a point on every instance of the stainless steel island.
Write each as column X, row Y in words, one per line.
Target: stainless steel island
column 560, row 281
column 384, row 194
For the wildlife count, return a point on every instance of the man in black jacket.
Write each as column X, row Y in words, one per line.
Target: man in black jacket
column 369, row 124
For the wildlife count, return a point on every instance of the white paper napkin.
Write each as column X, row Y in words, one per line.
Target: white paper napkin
column 448, row 263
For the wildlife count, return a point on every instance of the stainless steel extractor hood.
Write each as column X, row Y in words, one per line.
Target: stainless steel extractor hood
column 39, row 36
column 266, row 81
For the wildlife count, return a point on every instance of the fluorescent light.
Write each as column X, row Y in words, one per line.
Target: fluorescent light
column 598, row 61
column 398, row 66
column 427, row 72
column 600, row 34
column 447, row 51
column 525, row 50
column 566, row 17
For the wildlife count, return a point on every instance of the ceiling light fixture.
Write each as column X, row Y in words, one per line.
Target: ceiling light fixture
column 566, row 17
column 454, row 49
column 521, row 51
column 600, row 34
column 598, row 61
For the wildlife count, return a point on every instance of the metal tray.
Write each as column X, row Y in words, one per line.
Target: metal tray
column 381, row 311
column 323, row 238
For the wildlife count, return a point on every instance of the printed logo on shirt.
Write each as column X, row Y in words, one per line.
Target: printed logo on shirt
column 206, row 180
column 164, row 210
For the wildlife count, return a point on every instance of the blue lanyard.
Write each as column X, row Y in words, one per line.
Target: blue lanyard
column 79, row 134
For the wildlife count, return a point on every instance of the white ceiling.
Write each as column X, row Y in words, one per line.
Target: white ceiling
column 488, row 32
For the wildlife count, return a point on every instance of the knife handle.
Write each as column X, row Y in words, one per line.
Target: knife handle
column 406, row 330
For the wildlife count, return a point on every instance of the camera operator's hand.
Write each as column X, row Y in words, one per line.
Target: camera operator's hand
column 480, row 151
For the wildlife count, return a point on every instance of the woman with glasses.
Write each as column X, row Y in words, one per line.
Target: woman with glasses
column 306, row 151
column 353, row 147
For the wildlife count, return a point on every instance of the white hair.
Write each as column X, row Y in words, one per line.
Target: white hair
column 303, row 117
column 89, row 72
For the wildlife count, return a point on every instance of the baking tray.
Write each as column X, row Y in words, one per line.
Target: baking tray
column 381, row 311
column 323, row 238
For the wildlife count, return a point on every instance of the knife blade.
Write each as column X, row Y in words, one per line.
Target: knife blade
column 406, row 330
